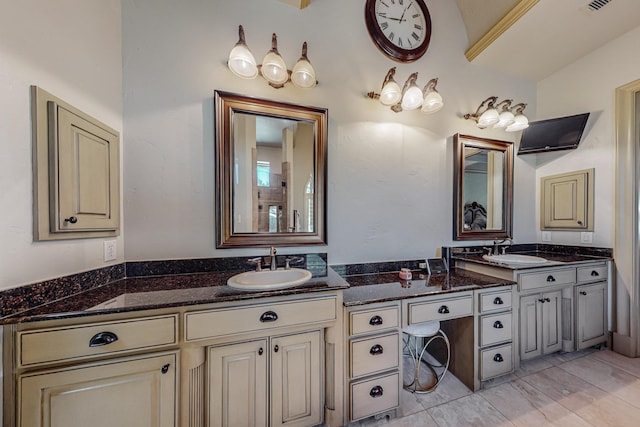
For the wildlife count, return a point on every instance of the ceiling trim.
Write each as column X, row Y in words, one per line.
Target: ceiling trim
column 300, row 4
column 501, row 26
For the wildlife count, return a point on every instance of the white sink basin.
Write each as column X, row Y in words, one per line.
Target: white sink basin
column 269, row 279
column 515, row 259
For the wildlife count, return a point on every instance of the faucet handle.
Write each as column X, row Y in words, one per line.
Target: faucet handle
column 257, row 261
column 288, row 261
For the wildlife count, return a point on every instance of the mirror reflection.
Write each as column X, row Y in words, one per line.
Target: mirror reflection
column 482, row 188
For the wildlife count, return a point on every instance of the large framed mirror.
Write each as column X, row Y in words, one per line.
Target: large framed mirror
column 482, row 188
column 271, row 160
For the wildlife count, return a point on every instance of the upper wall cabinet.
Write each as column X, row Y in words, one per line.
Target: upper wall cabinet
column 566, row 201
column 76, row 172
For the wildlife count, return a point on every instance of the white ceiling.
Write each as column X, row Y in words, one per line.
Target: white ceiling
column 551, row 35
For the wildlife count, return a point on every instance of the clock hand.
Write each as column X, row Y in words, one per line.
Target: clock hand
column 404, row 11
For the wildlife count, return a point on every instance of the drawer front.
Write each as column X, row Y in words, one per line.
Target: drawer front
column 495, row 301
column 371, row 355
column 373, row 320
column 96, row 339
column 254, row 318
column 443, row 309
column 594, row 273
column 496, row 361
column 547, row 278
column 496, row 328
column 374, row 396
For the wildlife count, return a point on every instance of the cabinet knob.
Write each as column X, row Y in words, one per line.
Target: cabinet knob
column 165, row 368
column 269, row 316
column 550, row 278
column 498, row 358
column 376, row 350
column 579, row 222
column 498, row 301
column 276, row 348
column 102, row 338
column 594, row 273
column 498, row 324
column 541, row 300
column 583, row 293
column 71, row 219
column 375, row 320
column 260, row 351
column 443, row 310
column 547, row 300
column 376, row 391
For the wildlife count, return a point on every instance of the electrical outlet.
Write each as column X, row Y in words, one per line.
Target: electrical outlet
column 586, row 237
column 422, row 265
column 546, row 236
column 110, row 250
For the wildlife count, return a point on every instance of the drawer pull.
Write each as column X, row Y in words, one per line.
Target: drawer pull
column 165, row 368
column 260, row 351
column 376, row 350
column 550, row 278
column 102, row 338
column 269, row 316
column 376, row 391
column 498, row 301
column 276, row 348
column 375, row 321
column 443, row 310
column 71, row 219
column 583, row 293
column 594, row 273
column 498, row 358
column 498, row 324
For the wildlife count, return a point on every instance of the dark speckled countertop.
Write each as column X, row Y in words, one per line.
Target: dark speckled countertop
column 381, row 287
column 554, row 258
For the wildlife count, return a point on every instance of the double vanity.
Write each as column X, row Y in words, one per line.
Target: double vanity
column 189, row 350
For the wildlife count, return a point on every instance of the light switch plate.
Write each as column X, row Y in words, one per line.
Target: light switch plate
column 546, row 236
column 586, row 237
column 110, row 250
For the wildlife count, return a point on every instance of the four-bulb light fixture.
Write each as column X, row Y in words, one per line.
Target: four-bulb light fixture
column 273, row 69
column 410, row 97
column 500, row 115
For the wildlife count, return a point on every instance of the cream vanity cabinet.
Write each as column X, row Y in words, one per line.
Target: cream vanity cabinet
column 540, row 324
column 94, row 373
column 373, row 355
column 264, row 363
column 591, row 306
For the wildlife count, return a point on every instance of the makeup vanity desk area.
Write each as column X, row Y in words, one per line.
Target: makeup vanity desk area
column 475, row 311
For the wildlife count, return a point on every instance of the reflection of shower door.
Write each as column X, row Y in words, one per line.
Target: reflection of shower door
column 275, row 218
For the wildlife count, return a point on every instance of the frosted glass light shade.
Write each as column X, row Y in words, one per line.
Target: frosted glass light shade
column 390, row 93
column 520, row 122
column 432, row 102
column 274, row 69
column 303, row 74
column 412, row 98
column 506, row 118
column 241, row 62
column 488, row 118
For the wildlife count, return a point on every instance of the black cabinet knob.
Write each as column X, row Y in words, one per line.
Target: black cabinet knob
column 376, row 391
column 498, row 358
column 583, row 293
column 550, row 278
column 260, row 351
column 376, row 350
column 498, row 301
column 594, row 273
column 71, row 219
column 443, row 310
column 498, row 324
column 375, row 321
column 276, row 348
column 165, row 368
column 269, row 316
column 102, row 338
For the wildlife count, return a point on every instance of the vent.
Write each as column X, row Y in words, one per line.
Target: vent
column 596, row 5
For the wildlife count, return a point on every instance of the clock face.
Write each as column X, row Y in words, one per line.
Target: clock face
column 400, row 28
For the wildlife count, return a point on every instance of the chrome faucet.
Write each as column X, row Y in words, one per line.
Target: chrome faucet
column 273, row 265
column 496, row 248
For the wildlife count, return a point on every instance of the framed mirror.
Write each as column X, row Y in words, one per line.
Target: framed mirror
column 482, row 188
column 271, row 160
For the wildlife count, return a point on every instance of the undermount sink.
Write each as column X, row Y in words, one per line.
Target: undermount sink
column 269, row 279
column 515, row 259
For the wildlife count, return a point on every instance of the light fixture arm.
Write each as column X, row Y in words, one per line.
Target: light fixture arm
column 388, row 77
column 431, row 85
column 519, row 108
column 241, row 39
column 489, row 103
column 504, row 105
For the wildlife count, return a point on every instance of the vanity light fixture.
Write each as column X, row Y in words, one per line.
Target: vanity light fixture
column 500, row 115
column 243, row 64
column 410, row 97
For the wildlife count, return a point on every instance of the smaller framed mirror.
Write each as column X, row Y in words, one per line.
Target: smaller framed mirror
column 482, row 188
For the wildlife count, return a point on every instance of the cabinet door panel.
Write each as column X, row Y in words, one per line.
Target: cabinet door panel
column 592, row 314
column 238, row 385
column 551, row 322
column 135, row 392
column 530, row 334
column 295, row 380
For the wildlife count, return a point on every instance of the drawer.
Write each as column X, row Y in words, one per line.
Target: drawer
column 441, row 309
column 496, row 328
column 375, row 396
column 594, row 273
column 547, row 278
column 371, row 355
column 496, row 361
column 373, row 320
column 254, row 318
column 96, row 339
column 495, row 300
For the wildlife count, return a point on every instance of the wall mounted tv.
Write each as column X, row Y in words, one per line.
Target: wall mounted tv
column 562, row 133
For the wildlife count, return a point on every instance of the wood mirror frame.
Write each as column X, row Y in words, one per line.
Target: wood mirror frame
column 227, row 105
column 502, row 201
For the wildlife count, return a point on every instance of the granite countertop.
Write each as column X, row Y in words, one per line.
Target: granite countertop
column 554, row 258
column 381, row 287
column 145, row 293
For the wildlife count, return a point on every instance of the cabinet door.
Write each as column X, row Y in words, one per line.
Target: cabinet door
column 567, row 201
column 238, row 385
column 296, row 373
column 551, row 303
column 530, row 324
column 591, row 314
column 132, row 392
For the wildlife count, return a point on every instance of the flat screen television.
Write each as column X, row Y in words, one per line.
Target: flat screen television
column 562, row 133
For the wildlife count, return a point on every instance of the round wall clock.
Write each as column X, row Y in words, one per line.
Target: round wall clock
column 401, row 29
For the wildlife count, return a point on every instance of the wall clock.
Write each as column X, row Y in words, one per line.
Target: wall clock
column 401, row 29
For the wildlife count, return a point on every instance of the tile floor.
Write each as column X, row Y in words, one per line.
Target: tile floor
column 582, row 389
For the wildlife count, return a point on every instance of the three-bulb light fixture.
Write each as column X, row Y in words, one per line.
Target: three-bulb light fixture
column 242, row 63
column 500, row 115
column 410, row 97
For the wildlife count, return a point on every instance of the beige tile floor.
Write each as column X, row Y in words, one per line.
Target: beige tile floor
column 582, row 389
